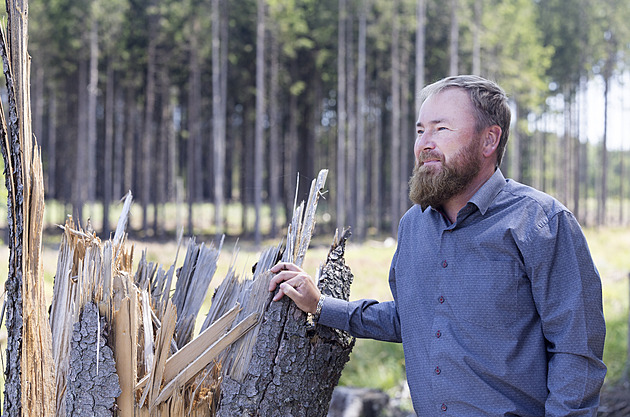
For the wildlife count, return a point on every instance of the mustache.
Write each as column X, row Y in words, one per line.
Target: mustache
column 430, row 156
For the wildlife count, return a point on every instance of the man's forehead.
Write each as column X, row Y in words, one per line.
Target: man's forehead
column 444, row 105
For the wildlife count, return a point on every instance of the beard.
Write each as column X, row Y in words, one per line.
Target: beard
column 433, row 186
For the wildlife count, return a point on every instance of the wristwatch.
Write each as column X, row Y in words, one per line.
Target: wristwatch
column 318, row 309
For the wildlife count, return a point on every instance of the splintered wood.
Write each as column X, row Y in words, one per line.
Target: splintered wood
column 161, row 369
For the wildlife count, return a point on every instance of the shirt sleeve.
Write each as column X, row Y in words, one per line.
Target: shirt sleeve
column 568, row 296
column 364, row 318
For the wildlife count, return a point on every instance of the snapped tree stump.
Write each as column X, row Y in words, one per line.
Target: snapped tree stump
column 251, row 356
column 296, row 364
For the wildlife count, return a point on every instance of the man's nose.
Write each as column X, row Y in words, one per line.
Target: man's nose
column 423, row 142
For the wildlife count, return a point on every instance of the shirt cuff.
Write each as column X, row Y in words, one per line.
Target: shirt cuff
column 334, row 313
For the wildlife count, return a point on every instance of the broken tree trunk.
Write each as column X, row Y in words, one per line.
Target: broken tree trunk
column 251, row 357
column 295, row 364
column 29, row 370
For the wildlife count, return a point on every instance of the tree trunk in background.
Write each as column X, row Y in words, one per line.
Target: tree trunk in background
column 219, row 99
column 194, row 124
column 164, row 136
column 29, row 387
column 79, row 181
column 421, row 12
column 577, row 160
column 478, row 24
column 51, row 173
column 340, row 175
column 406, row 132
column 131, row 120
column 376, row 185
column 148, row 131
column 454, row 39
column 351, row 117
column 395, row 126
column 89, row 176
column 290, row 152
column 275, row 171
column 260, row 114
column 109, row 146
column 515, row 146
column 603, row 189
column 361, row 176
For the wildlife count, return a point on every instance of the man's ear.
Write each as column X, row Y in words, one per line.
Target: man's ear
column 491, row 137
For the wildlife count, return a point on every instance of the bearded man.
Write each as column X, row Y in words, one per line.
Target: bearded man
column 497, row 301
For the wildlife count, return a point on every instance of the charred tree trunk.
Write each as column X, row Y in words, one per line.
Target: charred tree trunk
column 29, row 380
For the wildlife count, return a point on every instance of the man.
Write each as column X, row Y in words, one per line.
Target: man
column 496, row 298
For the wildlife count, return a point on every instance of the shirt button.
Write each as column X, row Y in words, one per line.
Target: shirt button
column 444, row 264
column 443, row 407
column 441, row 299
column 438, row 334
column 438, row 370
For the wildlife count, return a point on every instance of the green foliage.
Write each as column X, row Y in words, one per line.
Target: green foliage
column 375, row 364
column 513, row 52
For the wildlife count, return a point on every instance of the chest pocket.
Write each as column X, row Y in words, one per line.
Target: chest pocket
column 486, row 293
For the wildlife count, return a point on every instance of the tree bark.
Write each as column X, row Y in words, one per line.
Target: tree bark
column 92, row 382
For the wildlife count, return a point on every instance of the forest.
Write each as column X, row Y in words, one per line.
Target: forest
column 226, row 102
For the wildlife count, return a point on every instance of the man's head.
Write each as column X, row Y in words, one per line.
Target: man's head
column 490, row 103
column 462, row 129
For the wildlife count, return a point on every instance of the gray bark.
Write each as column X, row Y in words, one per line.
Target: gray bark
column 11, row 152
column 92, row 383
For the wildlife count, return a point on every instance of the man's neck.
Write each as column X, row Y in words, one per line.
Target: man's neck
column 452, row 206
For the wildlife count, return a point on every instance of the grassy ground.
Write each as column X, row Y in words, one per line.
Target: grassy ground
column 381, row 365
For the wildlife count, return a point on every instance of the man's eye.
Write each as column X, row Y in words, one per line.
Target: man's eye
column 441, row 128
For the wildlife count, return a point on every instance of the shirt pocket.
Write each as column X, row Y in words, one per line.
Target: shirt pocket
column 486, row 293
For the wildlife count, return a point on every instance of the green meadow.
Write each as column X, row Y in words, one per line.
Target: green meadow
column 378, row 364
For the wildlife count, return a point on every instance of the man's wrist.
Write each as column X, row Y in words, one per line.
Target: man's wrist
column 318, row 309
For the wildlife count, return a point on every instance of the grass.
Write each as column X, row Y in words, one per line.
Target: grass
column 378, row 364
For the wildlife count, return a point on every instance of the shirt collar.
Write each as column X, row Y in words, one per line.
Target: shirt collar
column 486, row 194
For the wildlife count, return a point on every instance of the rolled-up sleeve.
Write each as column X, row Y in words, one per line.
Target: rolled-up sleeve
column 568, row 296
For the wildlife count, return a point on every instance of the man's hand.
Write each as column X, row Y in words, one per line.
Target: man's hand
column 296, row 284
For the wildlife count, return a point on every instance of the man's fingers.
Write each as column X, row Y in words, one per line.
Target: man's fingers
column 290, row 292
column 285, row 266
column 279, row 278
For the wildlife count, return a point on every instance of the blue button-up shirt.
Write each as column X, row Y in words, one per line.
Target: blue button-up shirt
column 499, row 313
